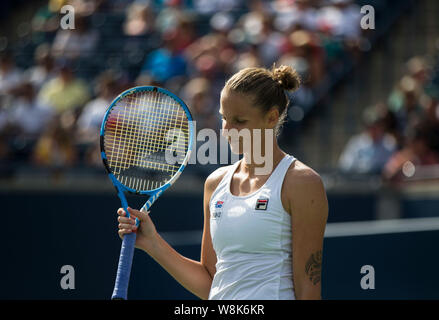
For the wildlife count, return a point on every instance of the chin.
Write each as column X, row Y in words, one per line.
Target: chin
column 236, row 149
column 238, row 152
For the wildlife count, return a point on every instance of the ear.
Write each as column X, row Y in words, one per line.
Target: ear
column 272, row 117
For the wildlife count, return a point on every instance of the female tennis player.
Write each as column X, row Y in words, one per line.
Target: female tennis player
column 263, row 234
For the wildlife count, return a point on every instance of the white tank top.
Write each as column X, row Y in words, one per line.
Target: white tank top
column 251, row 236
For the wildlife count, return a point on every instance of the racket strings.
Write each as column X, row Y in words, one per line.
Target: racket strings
column 151, row 129
column 154, row 130
column 140, row 130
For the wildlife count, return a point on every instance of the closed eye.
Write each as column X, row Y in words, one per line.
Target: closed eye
column 235, row 120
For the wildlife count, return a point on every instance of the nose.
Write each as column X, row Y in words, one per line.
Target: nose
column 226, row 126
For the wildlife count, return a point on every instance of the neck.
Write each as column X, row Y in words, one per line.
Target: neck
column 249, row 166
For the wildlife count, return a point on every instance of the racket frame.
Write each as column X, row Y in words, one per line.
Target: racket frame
column 120, row 291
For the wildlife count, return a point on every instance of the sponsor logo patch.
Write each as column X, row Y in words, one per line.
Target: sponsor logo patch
column 261, row 204
column 216, row 214
column 219, row 204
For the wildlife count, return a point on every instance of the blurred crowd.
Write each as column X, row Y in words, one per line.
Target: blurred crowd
column 401, row 134
column 55, row 84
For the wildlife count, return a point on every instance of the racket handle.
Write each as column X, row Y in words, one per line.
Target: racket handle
column 120, row 291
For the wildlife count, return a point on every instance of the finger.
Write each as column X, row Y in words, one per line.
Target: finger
column 126, row 220
column 138, row 214
column 121, row 212
column 144, row 210
column 127, row 226
column 123, row 232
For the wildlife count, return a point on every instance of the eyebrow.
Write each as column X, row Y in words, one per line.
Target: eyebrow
column 234, row 116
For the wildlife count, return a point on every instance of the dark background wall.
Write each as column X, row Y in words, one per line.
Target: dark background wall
column 42, row 231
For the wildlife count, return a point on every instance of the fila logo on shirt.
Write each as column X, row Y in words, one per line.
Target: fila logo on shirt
column 261, row 204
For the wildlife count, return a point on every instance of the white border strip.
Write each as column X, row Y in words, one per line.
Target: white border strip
column 362, row 228
column 338, row 229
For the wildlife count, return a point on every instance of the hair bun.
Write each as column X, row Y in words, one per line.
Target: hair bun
column 287, row 77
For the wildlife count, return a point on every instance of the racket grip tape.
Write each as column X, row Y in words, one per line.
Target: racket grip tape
column 120, row 291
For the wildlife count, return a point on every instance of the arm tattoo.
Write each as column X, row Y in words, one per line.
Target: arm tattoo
column 313, row 267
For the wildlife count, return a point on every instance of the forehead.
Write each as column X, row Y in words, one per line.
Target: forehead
column 236, row 102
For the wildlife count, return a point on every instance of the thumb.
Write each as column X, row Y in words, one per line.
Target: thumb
column 137, row 214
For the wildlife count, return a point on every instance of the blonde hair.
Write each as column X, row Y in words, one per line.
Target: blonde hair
column 266, row 87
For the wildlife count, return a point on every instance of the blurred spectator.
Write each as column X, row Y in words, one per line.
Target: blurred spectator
column 75, row 43
column 212, row 56
column 89, row 122
column 44, row 68
column 247, row 59
column 258, row 29
column 252, row 22
column 348, row 27
column 212, row 6
column 10, row 75
column 390, row 122
column 417, row 152
column 306, row 56
column 22, row 121
column 290, row 14
column 417, row 68
column 368, row 152
column 431, row 89
column 405, row 102
column 144, row 79
column 164, row 64
column 108, row 86
column 432, row 109
column 55, row 147
column 222, row 21
column 342, row 18
column 188, row 46
column 183, row 35
column 28, row 116
column 197, row 93
column 46, row 19
column 431, row 117
column 139, row 18
column 171, row 17
column 65, row 91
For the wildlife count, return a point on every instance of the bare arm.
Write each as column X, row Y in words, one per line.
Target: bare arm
column 309, row 212
column 189, row 273
column 193, row 275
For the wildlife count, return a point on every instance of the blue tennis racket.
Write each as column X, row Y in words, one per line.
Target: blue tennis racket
column 146, row 140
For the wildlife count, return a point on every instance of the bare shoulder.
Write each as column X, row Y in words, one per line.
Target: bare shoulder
column 215, row 178
column 303, row 183
column 304, row 194
column 299, row 173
